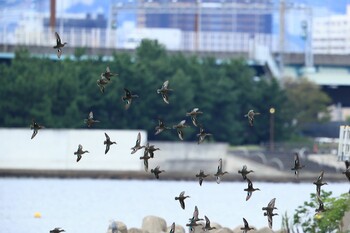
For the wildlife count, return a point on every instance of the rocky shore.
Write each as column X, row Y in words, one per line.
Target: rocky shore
column 154, row 224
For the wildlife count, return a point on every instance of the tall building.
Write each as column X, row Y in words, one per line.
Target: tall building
column 331, row 35
column 242, row 16
column 208, row 25
column 88, row 22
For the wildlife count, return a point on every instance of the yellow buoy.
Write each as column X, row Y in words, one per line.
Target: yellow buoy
column 318, row 216
column 37, row 215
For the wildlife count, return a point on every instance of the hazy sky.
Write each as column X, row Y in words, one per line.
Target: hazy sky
column 321, row 8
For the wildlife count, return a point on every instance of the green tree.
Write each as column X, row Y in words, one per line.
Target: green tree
column 327, row 221
column 61, row 93
column 306, row 102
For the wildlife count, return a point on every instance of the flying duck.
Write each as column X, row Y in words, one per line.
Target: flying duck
column 57, row 230
column 160, row 127
column 156, row 171
column 193, row 114
column 59, row 45
column 297, row 165
column 80, row 152
column 90, row 121
column 172, row 228
column 246, row 227
column 108, row 143
column 319, row 183
column 108, row 74
column 195, row 215
column 244, row 172
column 202, row 134
column 219, row 172
column 128, row 97
column 201, row 175
column 101, row 83
column 250, row 189
column 137, row 145
column 179, row 128
column 181, row 199
column 250, row 116
column 35, row 127
column 194, row 219
column 269, row 211
column 320, row 208
column 164, row 91
column 145, row 158
column 150, row 149
column 347, row 171
column 207, row 226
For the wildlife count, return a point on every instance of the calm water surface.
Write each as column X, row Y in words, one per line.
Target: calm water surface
column 87, row 205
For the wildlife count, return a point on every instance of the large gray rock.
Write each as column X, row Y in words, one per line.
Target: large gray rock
column 265, row 230
column 199, row 228
column 201, row 224
column 154, row 224
column 136, row 230
column 178, row 229
column 281, row 231
column 117, row 227
column 216, row 225
column 345, row 224
column 224, row 230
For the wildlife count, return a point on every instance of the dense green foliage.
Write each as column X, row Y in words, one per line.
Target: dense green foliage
column 60, row 94
column 327, row 221
column 312, row 103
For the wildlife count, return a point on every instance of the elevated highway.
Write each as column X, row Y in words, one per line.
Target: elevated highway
column 289, row 58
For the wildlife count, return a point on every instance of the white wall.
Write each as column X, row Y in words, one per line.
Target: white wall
column 54, row 149
column 184, row 156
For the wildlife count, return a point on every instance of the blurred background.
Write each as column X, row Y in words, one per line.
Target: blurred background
column 287, row 60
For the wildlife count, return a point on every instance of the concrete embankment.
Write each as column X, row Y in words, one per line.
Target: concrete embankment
column 51, row 154
column 142, row 175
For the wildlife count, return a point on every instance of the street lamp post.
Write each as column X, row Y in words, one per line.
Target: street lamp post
column 272, row 123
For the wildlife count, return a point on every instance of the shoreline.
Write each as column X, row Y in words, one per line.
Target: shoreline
column 166, row 176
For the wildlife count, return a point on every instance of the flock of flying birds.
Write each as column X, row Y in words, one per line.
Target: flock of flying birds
column 149, row 150
column 194, row 221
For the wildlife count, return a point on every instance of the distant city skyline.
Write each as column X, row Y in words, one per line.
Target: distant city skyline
column 320, row 8
column 9, row 18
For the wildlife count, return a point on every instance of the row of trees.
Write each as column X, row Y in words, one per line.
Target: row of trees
column 60, row 94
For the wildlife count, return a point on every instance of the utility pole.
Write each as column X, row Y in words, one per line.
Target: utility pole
column 52, row 15
column 197, row 25
column 307, row 37
column 281, row 37
column 112, row 26
column 272, row 129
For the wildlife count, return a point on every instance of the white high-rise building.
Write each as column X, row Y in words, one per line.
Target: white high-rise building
column 331, row 34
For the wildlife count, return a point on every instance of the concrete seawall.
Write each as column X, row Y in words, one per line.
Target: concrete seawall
column 54, row 149
column 167, row 175
column 50, row 154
